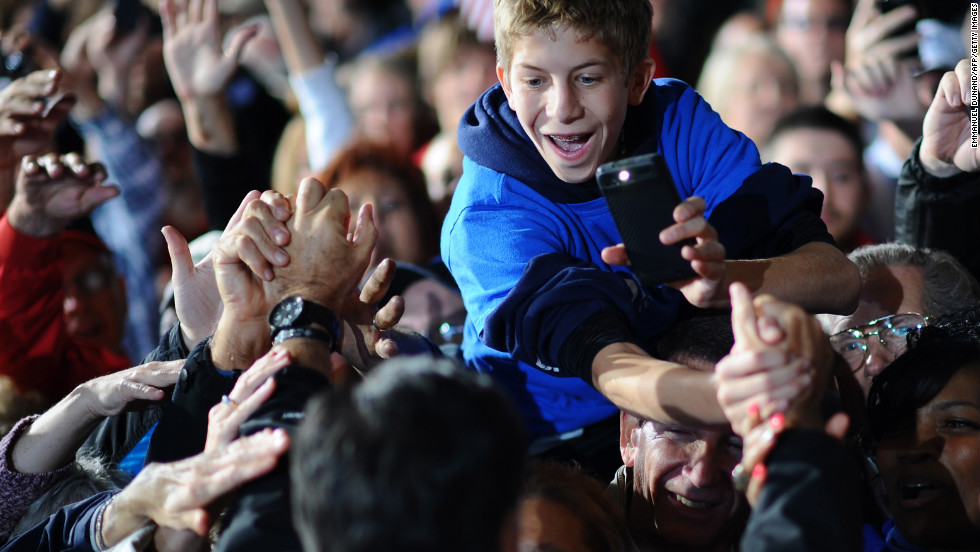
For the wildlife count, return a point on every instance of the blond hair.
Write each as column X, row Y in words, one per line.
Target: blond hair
column 624, row 26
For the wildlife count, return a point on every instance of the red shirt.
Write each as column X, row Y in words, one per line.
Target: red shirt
column 36, row 351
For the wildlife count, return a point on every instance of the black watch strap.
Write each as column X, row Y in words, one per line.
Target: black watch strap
column 295, row 312
column 309, row 333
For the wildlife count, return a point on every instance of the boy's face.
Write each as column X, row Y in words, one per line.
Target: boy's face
column 571, row 99
column 835, row 166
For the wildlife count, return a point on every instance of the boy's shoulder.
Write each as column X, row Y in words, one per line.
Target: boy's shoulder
column 485, row 186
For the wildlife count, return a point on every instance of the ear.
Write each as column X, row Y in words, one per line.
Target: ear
column 504, row 83
column 627, row 423
column 640, row 81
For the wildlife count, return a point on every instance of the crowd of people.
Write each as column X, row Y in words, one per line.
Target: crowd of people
column 329, row 275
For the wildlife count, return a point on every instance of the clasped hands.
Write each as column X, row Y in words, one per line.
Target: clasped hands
column 774, row 378
column 281, row 247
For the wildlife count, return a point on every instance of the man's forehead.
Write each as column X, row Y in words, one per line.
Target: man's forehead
column 701, row 431
column 885, row 291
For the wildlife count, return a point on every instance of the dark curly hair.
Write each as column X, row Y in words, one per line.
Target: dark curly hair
column 934, row 354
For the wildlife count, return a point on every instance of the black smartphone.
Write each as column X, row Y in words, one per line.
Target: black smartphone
column 641, row 196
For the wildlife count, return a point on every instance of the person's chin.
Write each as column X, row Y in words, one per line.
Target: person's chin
column 690, row 520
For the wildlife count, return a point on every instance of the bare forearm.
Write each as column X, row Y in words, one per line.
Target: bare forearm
column 210, row 125
column 299, row 47
column 236, row 344
column 651, row 388
column 55, row 436
column 817, row 276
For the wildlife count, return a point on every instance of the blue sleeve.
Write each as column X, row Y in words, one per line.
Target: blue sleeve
column 525, row 284
column 554, row 295
column 758, row 210
column 67, row 529
column 486, row 247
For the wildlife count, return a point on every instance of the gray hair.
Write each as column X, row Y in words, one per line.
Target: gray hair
column 947, row 284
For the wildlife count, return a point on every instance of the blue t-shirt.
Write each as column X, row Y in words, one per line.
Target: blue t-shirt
column 525, row 247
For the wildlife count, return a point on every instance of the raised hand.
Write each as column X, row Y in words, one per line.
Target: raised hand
column 241, row 261
column 197, row 65
column 112, row 394
column 773, row 379
column 758, row 371
column 31, row 108
column 876, row 78
column 196, row 298
column 176, row 495
column 366, row 341
column 946, row 147
column 325, row 264
column 252, row 389
column 53, row 190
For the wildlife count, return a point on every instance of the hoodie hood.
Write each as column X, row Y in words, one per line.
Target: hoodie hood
column 491, row 135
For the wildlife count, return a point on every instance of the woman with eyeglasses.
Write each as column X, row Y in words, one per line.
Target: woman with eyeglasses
column 924, row 437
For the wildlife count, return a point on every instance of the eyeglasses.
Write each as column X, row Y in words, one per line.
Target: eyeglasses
column 892, row 332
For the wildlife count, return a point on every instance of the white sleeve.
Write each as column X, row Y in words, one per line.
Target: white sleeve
column 322, row 103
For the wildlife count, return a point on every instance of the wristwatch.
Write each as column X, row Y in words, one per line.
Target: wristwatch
column 295, row 313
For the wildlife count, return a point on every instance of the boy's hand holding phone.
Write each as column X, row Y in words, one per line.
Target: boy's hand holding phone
column 707, row 257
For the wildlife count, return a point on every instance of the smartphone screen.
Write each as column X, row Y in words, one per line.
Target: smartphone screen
column 641, row 196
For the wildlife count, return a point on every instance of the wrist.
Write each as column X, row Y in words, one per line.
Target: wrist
column 935, row 167
column 317, row 293
column 298, row 316
column 237, row 344
column 210, row 126
column 116, row 521
column 30, row 222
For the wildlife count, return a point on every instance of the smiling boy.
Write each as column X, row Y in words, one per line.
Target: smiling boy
column 525, row 235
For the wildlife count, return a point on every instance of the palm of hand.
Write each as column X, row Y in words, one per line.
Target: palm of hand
column 195, row 61
column 197, row 305
column 946, row 134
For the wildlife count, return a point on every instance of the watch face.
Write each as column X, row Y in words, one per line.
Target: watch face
column 287, row 312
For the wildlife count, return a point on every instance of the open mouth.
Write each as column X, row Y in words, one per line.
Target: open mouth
column 917, row 493
column 697, row 505
column 570, row 144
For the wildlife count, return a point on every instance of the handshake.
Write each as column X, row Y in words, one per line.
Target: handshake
column 276, row 248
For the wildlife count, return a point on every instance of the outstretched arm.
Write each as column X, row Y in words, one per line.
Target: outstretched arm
column 200, row 70
column 328, row 119
column 816, row 276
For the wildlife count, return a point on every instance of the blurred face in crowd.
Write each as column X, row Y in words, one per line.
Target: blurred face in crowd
column 835, row 166
column 682, row 488
column 763, row 89
column 435, row 311
column 95, row 296
column 570, row 97
column 398, row 227
column 884, row 291
column 931, row 470
column 547, row 526
column 812, row 33
column 469, row 74
column 383, row 107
